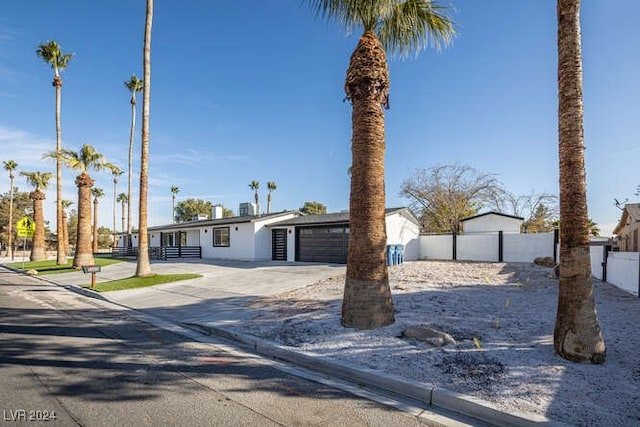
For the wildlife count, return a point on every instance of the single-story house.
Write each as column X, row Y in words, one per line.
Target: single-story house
column 243, row 237
column 492, row 222
column 325, row 238
column 285, row 236
column 626, row 231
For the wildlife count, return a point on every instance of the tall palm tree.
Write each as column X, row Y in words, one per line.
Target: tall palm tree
column 134, row 85
column 51, row 53
column 122, row 199
column 271, row 186
column 255, row 185
column 174, row 192
column 65, row 226
column 10, row 166
column 87, row 158
column 96, row 193
column 116, row 173
column 577, row 333
column 40, row 180
column 143, row 269
column 402, row 27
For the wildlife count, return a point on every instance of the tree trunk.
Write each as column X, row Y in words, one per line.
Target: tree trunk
column 60, row 255
column 95, row 226
column 115, row 203
column 577, row 334
column 123, row 223
column 38, row 252
column 143, row 268
column 10, row 227
column 131, row 139
column 367, row 302
column 268, row 203
column 65, row 233
column 83, row 255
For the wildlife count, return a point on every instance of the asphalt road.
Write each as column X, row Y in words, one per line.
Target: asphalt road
column 67, row 357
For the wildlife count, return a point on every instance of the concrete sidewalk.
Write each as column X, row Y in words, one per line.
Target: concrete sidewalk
column 222, row 297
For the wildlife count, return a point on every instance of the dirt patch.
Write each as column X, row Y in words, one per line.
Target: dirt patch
column 502, row 317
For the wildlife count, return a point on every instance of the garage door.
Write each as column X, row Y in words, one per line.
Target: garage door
column 322, row 244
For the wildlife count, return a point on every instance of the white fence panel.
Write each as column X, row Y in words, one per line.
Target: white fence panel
column 622, row 270
column 436, row 247
column 597, row 258
column 527, row 247
column 477, row 247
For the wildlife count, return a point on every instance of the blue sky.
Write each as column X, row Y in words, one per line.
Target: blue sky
column 253, row 90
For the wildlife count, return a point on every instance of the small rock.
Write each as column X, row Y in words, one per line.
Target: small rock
column 429, row 335
column 32, row 272
column 544, row 261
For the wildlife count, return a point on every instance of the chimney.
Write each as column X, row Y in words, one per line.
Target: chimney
column 216, row 212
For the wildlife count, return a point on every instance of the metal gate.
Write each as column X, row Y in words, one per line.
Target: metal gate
column 279, row 244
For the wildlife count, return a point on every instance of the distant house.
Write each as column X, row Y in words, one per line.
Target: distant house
column 325, row 238
column 492, row 222
column 626, row 231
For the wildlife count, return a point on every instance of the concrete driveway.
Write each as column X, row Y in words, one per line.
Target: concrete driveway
column 221, row 296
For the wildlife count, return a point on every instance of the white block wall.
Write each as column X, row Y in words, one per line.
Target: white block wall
column 526, row 247
column 622, row 270
column 477, row 247
column 438, row 246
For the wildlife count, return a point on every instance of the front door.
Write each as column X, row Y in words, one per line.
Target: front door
column 279, row 244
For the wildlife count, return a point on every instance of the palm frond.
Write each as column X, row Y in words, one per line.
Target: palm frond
column 402, row 26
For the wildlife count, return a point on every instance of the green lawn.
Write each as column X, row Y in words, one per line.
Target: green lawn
column 50, row 266
column 141, row 282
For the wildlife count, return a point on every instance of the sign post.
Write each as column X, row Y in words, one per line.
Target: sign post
column 25, row 227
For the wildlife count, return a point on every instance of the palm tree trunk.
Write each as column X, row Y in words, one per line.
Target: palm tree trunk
column 95, row 226
column 61, row 254
column 131, row 139
column 123, row 226
column 577, row 334
column 143, row 268
column 83, row 255
column 268, row 203
column 115, row 203
column 38, row 252
column 10, row 228
column 367, row 302
column 173, row 209
column 65, row 233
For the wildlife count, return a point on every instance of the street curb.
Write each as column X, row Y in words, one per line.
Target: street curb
column 428, row 394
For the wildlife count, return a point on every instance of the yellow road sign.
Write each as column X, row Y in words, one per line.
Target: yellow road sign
column 25, row 227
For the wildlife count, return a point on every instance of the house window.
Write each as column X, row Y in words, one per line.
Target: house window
column 221, row 236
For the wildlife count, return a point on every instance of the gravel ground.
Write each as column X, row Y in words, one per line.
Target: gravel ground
column 501, row 316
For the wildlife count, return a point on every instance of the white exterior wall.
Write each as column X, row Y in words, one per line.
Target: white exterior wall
column 402, row 231
column 241, row 243
column 597, row 257
column 526, row 247
column 436, row 246
column 291, row 244
column 488, row 223
column 478, row 247
column 622, row 270
column 154, row 239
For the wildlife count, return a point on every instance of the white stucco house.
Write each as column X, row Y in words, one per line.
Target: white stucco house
column 492, row 222
column 244, row 238
column 284, row 236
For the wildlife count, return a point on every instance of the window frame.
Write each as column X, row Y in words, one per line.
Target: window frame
column 221, row 243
